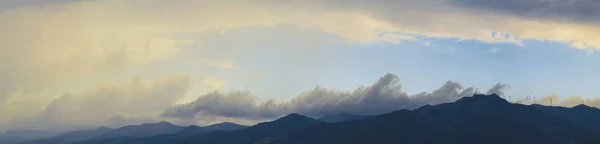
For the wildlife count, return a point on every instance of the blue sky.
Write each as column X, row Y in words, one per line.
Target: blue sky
column 538, row 68
column 197, row 62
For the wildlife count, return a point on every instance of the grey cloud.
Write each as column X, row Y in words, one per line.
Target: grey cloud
column 234, row 104
column 114, row 105
column 562, row 9
column 385, row 95
column 498, row 89
column 11, row 4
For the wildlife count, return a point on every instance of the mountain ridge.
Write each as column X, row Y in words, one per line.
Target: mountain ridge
column 469, row 120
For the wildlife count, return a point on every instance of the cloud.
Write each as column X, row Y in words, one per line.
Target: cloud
column 134, row 100
column 548, row 100
column 498, row 89
column 495, row 50
column 385, row 95
column 556, row 100
column 581, row 10
column 49, row 46
column 46, row 46
column 11, row 4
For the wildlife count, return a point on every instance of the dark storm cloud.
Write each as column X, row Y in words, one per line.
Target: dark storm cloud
column 385, row 95
column 586, row 10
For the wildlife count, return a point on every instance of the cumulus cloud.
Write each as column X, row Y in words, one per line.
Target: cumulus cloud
column 131, row 102
column 385, row 95
column 498, row 89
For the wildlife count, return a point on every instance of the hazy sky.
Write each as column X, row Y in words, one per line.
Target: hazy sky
column 69, row 64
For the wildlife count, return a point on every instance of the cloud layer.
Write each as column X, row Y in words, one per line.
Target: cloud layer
column 556, row 100
column 580, row 10
column 136, row 101
column 385, row 95
column 81, row 38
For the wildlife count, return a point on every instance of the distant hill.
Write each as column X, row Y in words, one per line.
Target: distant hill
column 341, row 118
column 262, row 132
column 197, row 130
column 187, row 132
column 71, row 137
column 584, row 116
column 16, row 136
column 479, row 119
column 134, row 131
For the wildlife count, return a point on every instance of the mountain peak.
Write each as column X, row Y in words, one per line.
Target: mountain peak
column 103, row 128
column 161, row 123
column 225, row 126
column 293, row 116
column 226, row 123
column 583, row 106
column 164, row 123
column 483, row 99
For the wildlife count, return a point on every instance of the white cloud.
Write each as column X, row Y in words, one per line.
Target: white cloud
column 495, row 50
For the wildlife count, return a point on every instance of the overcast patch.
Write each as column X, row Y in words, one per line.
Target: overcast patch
column 561, row 9
column 12, row 4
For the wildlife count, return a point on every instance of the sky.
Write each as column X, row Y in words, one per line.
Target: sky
column 74, row 64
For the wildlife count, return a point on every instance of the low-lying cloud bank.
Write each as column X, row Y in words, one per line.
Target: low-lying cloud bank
column 556, row 100
column 385, row 95
column 135, row 102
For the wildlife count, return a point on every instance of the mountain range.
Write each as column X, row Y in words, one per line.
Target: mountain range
column 17, row 136
column 470, row 120
column 71, row 137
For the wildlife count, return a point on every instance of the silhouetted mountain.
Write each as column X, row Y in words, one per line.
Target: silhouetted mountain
column 188, row 132
column 471, row 120
column 197, row 130
column 139, row 131
column 71, row 137
column 281, row 127
column 584, row 116
column 16, row 136
column 225, row 126
column 478, row 119
column 341, row 117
